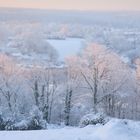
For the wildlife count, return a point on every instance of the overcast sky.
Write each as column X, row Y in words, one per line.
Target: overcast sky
column 74, row 4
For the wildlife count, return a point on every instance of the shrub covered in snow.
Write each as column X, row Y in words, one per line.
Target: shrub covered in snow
column 29, row 124
column 34, row 122
column 93, row 119
column 2, row 123
column 6, row 123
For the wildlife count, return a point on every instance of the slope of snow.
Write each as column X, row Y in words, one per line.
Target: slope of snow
column 113, row 130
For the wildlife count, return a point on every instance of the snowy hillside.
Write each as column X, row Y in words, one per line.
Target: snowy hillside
column 113, row 130
column 76, row 68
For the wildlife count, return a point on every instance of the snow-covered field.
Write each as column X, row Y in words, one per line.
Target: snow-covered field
column 113, row 130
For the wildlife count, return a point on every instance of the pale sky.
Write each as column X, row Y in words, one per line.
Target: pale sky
column 74, row 4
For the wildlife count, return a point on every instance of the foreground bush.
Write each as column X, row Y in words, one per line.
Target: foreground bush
column 93, row 119
column 34, row 122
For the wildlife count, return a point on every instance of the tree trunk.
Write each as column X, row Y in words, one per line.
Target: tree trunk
column 68, row 107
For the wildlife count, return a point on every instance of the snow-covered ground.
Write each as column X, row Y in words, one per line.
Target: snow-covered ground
column 113, row 130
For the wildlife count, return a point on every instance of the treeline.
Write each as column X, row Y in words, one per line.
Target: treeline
column 96, row 80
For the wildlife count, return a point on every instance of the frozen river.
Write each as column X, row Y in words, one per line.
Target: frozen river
column 67, row 47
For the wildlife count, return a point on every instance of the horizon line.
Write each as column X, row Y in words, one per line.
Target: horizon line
column 75, row 10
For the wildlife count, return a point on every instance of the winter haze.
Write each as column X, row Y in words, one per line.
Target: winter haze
column 74, row 4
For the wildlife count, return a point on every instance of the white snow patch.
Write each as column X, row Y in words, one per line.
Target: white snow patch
column 113, row 130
